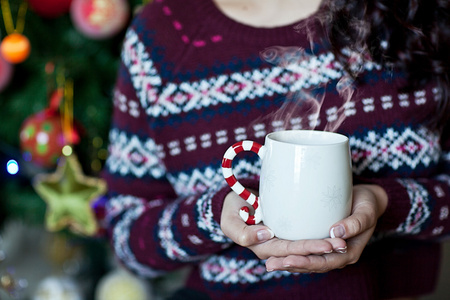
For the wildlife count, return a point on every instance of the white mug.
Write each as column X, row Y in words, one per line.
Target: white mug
column 305, row 184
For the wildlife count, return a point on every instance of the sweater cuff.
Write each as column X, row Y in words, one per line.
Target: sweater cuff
column 398, row 207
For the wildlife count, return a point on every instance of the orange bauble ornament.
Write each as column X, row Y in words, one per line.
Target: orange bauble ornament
column 15, row 48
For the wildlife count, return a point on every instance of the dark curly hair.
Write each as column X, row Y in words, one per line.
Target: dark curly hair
column 412, row 35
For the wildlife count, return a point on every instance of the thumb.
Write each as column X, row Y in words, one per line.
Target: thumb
column 362, row 219
column 252, row 234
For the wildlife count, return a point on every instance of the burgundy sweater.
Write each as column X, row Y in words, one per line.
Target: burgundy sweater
column 192, row 82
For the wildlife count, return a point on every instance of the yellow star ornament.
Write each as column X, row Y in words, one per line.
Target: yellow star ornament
column 68, row 194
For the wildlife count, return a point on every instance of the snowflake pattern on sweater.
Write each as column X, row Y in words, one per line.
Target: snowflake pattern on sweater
column 181, row 99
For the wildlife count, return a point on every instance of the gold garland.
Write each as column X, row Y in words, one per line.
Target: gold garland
column 66, row 109
column 8, row 20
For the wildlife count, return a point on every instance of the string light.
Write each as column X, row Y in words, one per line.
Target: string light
column 12, row 167
column 67, row 150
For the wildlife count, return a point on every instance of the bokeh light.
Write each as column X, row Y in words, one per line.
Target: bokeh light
column 12, row 167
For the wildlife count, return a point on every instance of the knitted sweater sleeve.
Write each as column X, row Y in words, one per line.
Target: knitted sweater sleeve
column 152, row 229
column 419, row 207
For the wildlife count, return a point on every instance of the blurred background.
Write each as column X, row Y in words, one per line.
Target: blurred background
column 58, row 63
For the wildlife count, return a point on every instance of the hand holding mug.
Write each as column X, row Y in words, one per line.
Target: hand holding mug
column 305, row 184
column 260, row 239
column 369, row 203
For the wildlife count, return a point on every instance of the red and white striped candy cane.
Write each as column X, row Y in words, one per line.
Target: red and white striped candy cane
column 245, row 194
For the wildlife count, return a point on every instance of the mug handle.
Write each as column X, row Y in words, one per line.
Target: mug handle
column 245, row 194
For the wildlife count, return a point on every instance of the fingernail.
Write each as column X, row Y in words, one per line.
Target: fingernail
column 264, row 234
column 327, row 252
column 337, row 232
column 342, row 250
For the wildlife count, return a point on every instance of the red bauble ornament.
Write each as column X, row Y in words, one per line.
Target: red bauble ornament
column 15, row 48
column 99, row 19
column 50, row 8
column 6, row 71
column 42, row 138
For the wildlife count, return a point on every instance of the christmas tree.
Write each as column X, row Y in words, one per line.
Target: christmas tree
column 62, row 88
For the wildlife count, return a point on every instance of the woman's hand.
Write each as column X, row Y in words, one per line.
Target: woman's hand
column 260, row 239
column 349, row 236
column 369, row 203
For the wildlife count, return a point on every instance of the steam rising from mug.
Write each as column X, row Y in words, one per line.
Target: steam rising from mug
column 305, row 105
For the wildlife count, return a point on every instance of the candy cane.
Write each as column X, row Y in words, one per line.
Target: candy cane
column 245, row 194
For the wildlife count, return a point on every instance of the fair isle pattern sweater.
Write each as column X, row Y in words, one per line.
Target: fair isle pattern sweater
column 191, row 83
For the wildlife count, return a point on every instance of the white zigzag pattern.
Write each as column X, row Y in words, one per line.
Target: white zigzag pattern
column 130, row 155
column 195, row 182
column 420, row 210
column 146, row 79
column 199, row 181
column 206, row 221
column 121, row 235
column 231, row 271
column 168, row 242
column 117, row 205
column 394, row 149
column 174, row 98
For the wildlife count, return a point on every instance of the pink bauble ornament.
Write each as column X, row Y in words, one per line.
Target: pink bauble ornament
column 50, row 8
column 99, row 19
column 6, row 71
